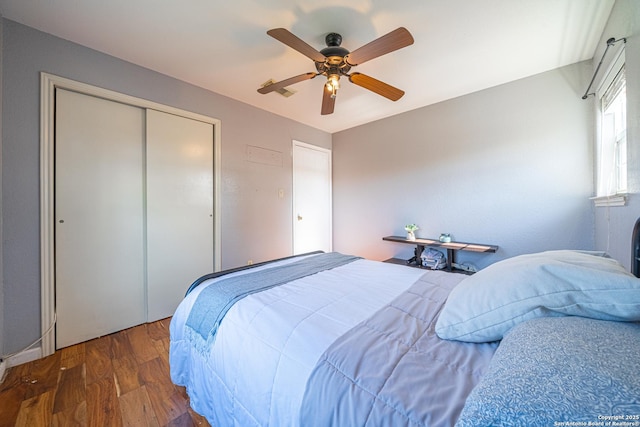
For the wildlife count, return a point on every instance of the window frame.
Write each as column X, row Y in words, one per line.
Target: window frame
column 603, row 197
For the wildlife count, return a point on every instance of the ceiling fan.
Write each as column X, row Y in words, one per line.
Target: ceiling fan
column 335, row 61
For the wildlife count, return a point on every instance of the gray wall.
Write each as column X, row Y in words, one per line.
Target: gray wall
column 509, row 166
column 613, row 225
column 256, row 223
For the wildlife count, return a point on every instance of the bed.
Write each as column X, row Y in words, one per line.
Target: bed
column 324, row 339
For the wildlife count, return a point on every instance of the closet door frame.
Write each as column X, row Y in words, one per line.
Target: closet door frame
column 48, row 84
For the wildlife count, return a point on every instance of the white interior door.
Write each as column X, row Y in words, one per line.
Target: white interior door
column 98, row 217
column 311, row 198
column 179, row 208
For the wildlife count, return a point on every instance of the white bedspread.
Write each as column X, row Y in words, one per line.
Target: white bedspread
column 269, row 342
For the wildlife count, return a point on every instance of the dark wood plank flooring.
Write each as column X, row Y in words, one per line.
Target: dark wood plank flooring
column 120, row 379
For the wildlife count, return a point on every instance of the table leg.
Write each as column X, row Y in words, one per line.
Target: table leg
column 416, row 256
column 450, row 258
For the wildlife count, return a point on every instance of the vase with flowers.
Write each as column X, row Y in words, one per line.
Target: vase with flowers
column 411, row 231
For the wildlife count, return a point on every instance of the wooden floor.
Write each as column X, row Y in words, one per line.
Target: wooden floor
column 116, row 380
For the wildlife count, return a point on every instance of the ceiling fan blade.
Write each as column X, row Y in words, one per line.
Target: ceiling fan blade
column 396, row 39
column 286, row 82
column 291, row 40
column 376, row 86
column 328, row 102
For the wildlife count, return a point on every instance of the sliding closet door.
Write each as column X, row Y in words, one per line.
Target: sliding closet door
column 179, row 208
column 99, row 214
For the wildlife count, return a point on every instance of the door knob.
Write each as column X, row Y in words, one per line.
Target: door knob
column 299, row 217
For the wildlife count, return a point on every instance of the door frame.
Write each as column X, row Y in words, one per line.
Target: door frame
column 48, row 85
column 294, row 211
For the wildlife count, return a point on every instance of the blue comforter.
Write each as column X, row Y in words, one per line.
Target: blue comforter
column 393, row 370
column 215, row 301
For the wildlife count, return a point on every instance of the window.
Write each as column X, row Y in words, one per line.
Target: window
column 612, row 156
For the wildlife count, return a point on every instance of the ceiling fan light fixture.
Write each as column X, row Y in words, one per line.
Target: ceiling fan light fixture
column 334, row 81
column 333, row 84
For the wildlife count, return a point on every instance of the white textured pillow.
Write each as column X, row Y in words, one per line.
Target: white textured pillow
column 555, row 283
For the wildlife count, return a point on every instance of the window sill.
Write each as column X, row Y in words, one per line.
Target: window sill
column 613, row 200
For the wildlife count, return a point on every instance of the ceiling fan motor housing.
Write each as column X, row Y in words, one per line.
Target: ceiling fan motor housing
column 334, row 54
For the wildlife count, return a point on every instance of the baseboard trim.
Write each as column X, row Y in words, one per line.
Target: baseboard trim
column 23, row 357
column 3, row 370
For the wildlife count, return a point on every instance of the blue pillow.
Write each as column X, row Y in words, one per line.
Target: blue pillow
column 560, row 371
column 548, row 284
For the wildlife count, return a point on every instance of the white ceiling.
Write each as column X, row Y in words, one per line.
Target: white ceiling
column 461, row 46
